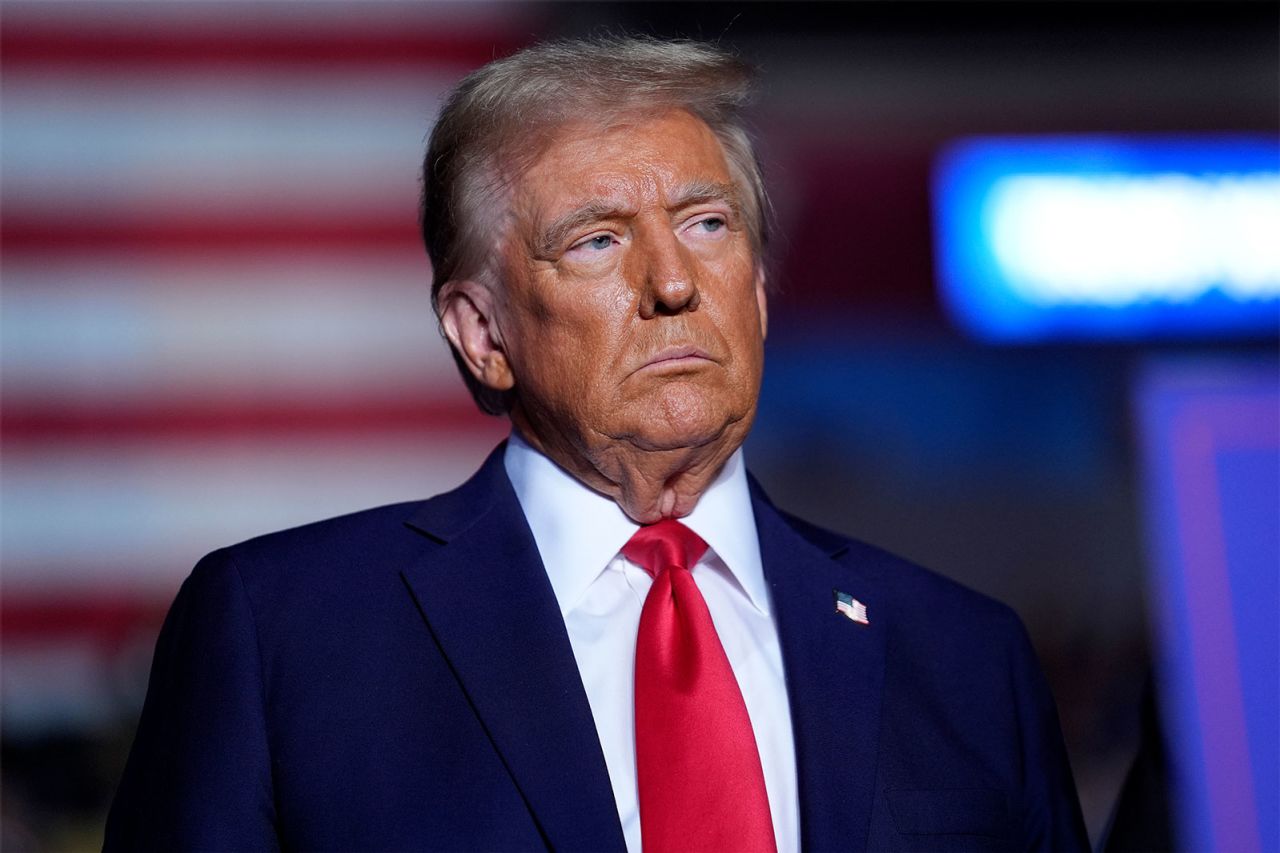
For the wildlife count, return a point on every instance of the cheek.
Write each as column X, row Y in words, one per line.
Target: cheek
column 737, row 306
column 570, row 341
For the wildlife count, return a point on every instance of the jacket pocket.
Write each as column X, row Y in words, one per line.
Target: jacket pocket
column 958, row 811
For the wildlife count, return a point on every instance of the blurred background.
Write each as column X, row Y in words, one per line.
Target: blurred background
column 216, row 323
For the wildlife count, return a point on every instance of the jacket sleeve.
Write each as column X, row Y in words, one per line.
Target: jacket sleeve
column 1051, row 817
column 199, row 774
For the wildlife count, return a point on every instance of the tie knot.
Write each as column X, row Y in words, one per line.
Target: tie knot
column 668, row 544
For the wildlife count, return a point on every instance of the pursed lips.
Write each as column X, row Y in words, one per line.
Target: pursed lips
column 676, row 356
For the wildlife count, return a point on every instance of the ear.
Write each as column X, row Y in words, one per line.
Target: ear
column 762, row 303
column 467, row 316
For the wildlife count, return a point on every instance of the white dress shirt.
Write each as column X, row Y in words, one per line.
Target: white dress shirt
column 579, row 533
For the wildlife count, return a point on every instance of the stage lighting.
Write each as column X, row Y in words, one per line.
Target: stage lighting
column 1061, row 238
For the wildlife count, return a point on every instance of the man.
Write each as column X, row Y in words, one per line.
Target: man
column 608, row 637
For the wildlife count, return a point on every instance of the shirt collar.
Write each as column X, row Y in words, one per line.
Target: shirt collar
column 578, row 530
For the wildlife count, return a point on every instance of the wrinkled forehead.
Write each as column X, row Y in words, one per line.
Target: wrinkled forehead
column 630, row 160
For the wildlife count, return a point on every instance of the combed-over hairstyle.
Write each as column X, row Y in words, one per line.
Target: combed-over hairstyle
column 502, row 116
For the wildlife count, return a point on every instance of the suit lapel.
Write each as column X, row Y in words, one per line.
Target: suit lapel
column 486, row 599
column 835, row 676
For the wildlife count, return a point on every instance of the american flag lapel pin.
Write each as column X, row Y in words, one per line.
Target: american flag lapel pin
column 851, row 607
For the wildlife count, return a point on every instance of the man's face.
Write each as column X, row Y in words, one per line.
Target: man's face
column 632, row 310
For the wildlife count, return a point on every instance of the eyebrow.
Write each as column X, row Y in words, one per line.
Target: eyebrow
column 701, row 192
column 549, row 239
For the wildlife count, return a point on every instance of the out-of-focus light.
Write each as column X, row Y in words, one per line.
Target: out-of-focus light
column 1090, row 237
column 1117, row 239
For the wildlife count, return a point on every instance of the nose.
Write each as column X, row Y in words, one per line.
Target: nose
column 669, row 286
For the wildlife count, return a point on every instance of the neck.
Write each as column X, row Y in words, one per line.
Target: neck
column 648, row 484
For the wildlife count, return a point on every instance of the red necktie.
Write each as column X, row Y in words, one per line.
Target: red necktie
column 698, row 769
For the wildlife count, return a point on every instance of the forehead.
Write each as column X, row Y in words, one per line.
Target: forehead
column 634, row 162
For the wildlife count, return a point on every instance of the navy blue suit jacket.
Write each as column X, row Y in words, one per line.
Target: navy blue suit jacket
column 401, row 679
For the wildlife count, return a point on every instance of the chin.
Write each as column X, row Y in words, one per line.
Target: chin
column 682, row 416
column 676, row 437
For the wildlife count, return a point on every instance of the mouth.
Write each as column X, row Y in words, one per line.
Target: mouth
column 676, row 358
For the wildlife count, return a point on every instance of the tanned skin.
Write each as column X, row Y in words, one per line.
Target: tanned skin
column 629, row 318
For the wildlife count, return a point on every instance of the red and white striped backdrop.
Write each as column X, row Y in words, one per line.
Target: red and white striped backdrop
column 216, row 319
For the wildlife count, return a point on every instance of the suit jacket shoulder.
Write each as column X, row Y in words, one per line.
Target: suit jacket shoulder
column 368, row 683
column 931, row 726
column 905, row 577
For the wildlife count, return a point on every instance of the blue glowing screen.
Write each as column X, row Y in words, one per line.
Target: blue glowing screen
column 1089, row 237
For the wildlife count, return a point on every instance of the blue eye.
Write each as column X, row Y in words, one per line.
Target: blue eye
column 712, row 223
column 601, row 241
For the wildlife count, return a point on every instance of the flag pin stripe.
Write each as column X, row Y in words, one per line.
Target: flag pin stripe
column 851, row 607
